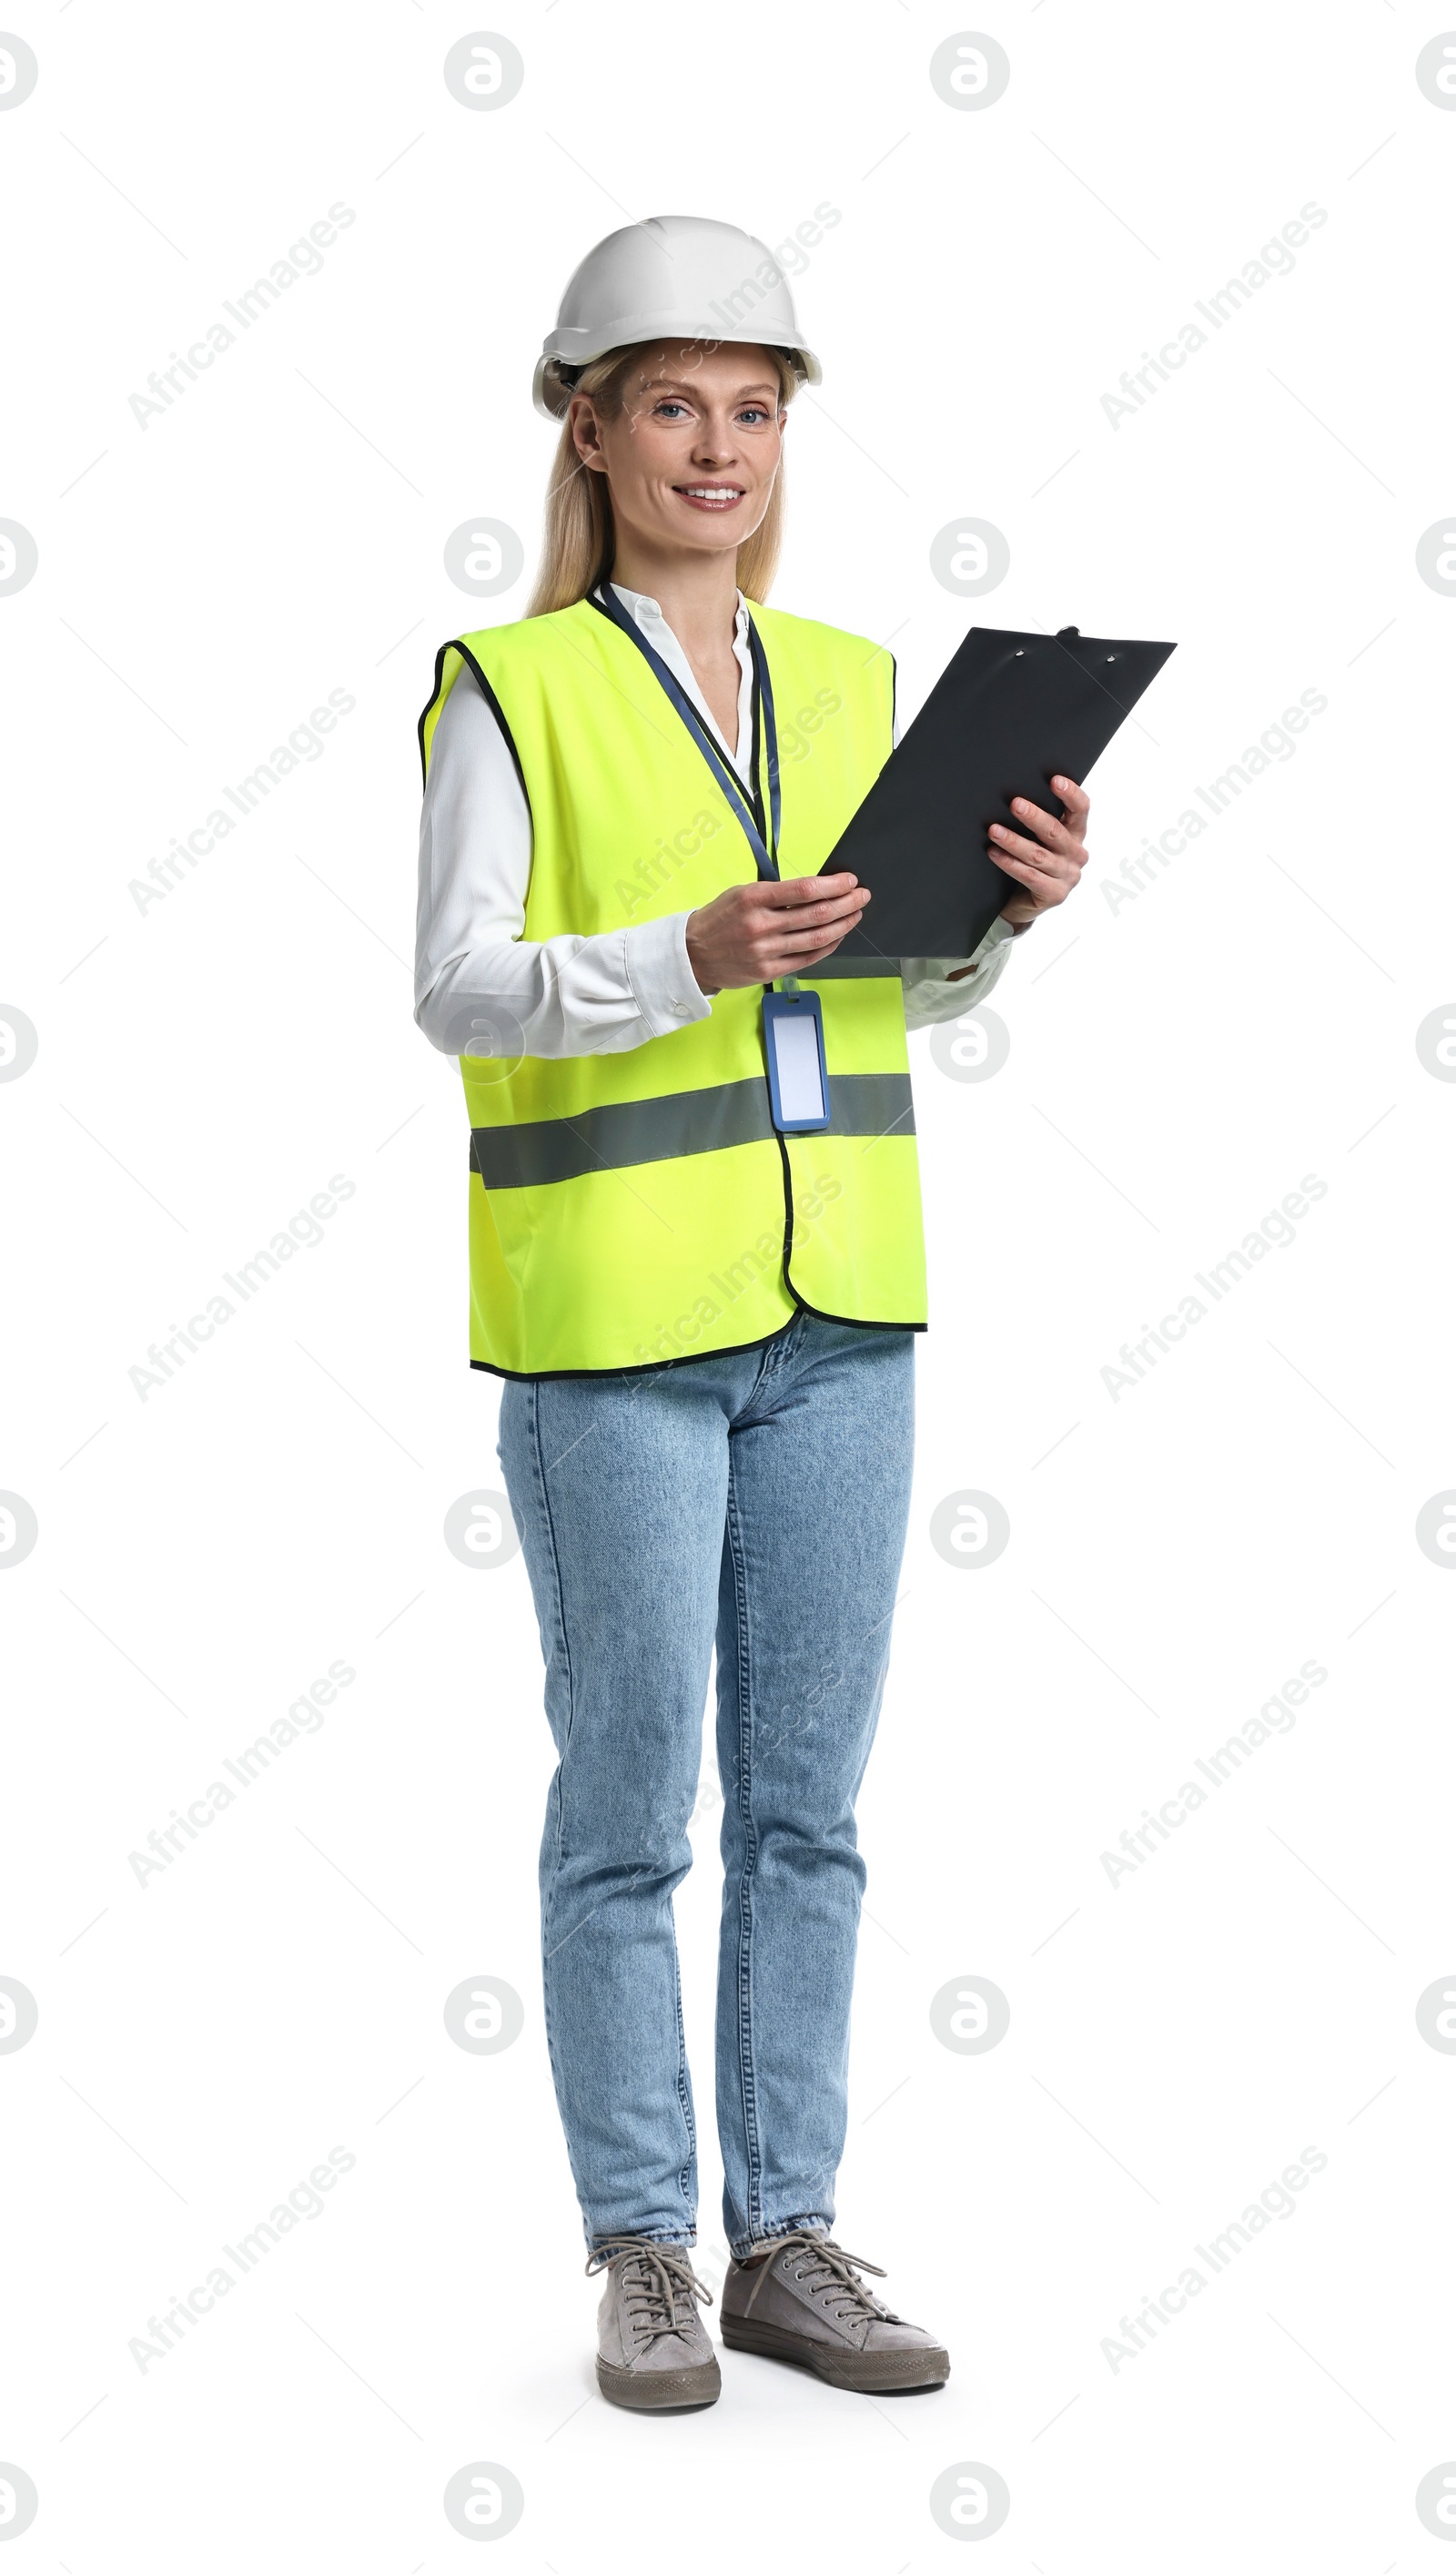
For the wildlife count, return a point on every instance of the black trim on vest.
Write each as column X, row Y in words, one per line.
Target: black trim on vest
column 673, row 1125
column 650, row 1367
column 493, row 701
column 818, row 1312
column 745, row 796
column 788, row 1243
column 689, row 1358
column 851, row 1322
column 755, row 759
column 560, row 1138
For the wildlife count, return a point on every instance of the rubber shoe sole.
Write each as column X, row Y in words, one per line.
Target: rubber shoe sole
column 863, row 2372
column 661, row 2390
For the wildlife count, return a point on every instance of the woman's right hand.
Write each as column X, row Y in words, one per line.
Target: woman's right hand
column 754, row 934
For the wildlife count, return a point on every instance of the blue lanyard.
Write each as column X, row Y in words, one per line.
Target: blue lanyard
column 766, row 859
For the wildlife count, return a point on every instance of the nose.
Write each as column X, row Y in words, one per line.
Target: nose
column 716, row 445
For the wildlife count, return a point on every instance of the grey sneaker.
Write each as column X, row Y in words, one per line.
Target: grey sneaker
column 806, row 2304
column 653, row 2352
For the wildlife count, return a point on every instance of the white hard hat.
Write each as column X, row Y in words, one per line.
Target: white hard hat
column 675, row 277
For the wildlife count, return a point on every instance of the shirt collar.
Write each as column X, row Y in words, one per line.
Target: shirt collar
column 648, row 611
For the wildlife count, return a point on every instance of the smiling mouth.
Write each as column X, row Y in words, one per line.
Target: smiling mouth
column 710, row 496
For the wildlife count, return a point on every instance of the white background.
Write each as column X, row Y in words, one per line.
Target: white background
column 1178, row 1065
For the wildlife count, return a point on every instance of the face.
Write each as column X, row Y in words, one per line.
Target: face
column 692, row 456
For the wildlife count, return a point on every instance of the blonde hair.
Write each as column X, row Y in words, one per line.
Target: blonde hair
column 581, row 537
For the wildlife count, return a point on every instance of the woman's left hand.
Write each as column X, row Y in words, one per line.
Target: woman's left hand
column 1049, row 867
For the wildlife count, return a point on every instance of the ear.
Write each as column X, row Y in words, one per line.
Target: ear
column 585, row 435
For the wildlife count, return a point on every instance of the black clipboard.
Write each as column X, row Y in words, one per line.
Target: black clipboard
column 1008, row 713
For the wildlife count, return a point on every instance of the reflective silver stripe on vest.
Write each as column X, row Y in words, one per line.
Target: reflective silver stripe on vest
column 667, row 1129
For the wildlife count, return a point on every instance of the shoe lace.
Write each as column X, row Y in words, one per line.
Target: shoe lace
column 829, row 2273
column 653, row 2279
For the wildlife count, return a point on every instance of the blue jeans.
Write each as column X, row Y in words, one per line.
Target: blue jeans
column 756, row 1500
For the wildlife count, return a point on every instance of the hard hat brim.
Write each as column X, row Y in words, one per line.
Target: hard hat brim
column 551, row 396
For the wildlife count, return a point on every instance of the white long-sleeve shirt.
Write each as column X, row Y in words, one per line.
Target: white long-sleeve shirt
column 577, row 995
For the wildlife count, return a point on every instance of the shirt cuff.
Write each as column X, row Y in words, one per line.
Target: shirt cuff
column 664, row 985
column 937, row 970
column 929, row 995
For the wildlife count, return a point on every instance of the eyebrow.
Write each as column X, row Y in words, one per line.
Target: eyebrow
column 680, row 384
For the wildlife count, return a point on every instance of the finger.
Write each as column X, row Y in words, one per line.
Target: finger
column 784, row 891
column 1009, row 850
column 1067, row 862
column 796, row 942
column 1048, row 829
column 1036, row 886
column 811, row 916
column 1077, row 800
column 798, row 960
column 796, row 945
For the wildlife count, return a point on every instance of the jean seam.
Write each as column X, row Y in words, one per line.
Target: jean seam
column 558, row 1621
column 778, row 1348
column 640, row 2236
column 788, row 2225
column 689, row 2165
column 748, row 2092
column 558, row 1613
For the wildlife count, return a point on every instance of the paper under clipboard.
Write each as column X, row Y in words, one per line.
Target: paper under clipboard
column 1009, row 712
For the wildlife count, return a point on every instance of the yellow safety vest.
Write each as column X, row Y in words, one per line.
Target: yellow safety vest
column 629, row 1211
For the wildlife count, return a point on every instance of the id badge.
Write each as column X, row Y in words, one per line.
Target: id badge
column 794, row 1041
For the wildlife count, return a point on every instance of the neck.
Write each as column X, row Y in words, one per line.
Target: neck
column 696, row 593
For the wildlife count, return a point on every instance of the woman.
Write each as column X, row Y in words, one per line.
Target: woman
column 705, row 1325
